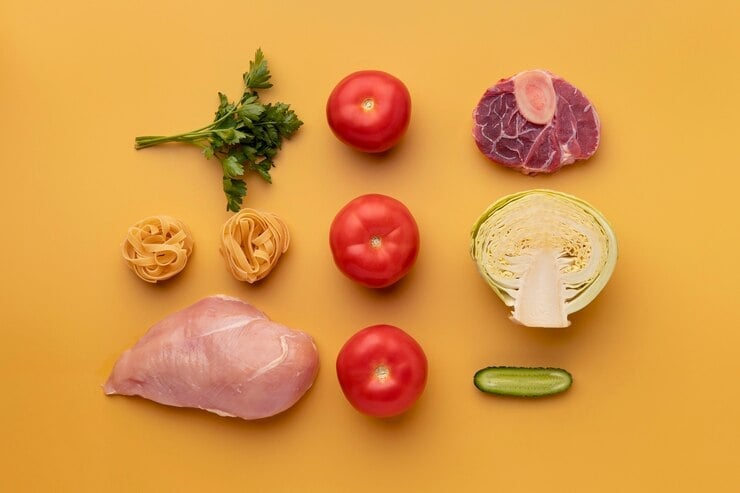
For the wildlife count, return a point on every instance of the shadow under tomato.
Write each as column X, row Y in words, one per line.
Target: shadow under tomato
column 384, row 158
column 394, row 290
column 390, row 424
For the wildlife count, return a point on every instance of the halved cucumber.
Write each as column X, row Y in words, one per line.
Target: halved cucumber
column 521, row 381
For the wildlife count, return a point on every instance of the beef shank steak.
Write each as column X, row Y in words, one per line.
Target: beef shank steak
column 535, row 122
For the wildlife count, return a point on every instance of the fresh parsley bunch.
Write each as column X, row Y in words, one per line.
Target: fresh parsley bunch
column 244, row 136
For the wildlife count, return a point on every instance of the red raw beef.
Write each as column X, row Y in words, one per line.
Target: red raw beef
column 507, row 137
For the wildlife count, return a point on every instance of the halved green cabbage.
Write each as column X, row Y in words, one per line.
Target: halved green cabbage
column 544, row 253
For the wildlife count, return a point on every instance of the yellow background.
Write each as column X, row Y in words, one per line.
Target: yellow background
column 655, row 405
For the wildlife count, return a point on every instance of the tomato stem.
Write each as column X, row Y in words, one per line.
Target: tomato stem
column 382, row 373
column 375, row 241
column 368, row 104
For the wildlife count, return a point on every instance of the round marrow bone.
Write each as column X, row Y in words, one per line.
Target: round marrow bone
column 535, row 96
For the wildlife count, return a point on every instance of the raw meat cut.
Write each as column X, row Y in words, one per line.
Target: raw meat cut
column 560, row 126
column 222, row 355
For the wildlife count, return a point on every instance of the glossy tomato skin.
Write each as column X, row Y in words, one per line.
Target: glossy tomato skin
column 369, row 110
column 374, row 240
column 382, row 371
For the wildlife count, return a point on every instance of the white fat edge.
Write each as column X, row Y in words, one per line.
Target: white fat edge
column 566, row 157
column 313, row 343
column 241, row 321
column 297, row 333
column 275, row 362
column 226, row 297
column 219, row 412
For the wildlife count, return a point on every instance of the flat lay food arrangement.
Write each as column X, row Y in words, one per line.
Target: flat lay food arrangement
column 544, row 253
column 369, row 256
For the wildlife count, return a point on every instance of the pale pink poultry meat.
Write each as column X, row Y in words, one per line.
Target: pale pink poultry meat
column 222, row 355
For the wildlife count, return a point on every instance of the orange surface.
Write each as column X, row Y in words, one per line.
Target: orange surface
column 655, row 405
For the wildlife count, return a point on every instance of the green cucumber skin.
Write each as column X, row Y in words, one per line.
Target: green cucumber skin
column 520, row 381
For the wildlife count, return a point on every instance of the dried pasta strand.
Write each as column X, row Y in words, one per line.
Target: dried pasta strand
column 157, row 247
column 252, row 242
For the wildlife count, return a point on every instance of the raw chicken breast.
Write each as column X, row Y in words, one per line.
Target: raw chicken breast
column 220, row 354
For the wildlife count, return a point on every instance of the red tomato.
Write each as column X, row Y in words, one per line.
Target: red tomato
column 374, row 240
column 382, row 370
column 369, row 110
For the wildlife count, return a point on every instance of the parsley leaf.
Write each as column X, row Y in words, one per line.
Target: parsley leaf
column 251, row 111
column 232, row 167
column 245, row 135
column 258, row 75
column 235, row 191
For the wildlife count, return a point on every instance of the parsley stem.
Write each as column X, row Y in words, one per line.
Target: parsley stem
column 188, row 137
column 152, row 140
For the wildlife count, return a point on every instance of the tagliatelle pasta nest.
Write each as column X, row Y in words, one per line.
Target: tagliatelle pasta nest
column 157, row 248
column 252, row 242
